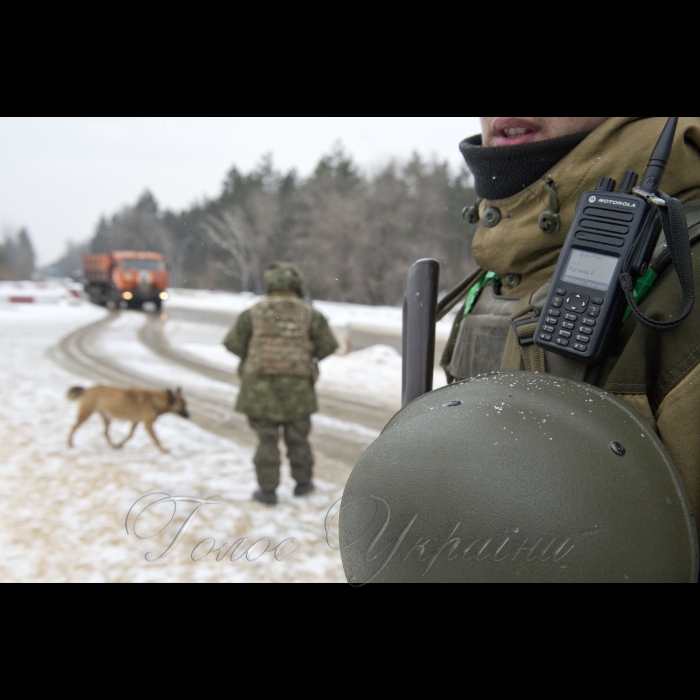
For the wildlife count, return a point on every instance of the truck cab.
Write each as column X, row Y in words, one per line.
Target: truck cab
column 126, row 279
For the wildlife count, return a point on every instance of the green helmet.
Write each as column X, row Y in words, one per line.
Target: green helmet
column 517, row 478
column 284, row 277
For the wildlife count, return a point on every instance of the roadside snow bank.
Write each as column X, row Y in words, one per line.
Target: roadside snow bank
column 378, row 319
column 374, row 373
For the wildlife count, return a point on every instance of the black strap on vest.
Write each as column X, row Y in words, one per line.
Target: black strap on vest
column 676, row 230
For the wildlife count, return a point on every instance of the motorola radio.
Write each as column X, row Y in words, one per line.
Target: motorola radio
column 613, row 237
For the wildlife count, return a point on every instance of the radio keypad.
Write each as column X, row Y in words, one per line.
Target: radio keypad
column 565, row 314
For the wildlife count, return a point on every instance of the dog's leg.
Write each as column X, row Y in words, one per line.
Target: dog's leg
column 105, row 418
column 151, row 432
column 83, row 415
column 128, row 437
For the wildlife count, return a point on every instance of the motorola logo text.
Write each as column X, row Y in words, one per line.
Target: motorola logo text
column 618, row 203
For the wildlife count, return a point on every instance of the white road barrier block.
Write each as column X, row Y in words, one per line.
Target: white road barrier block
column 46, row 293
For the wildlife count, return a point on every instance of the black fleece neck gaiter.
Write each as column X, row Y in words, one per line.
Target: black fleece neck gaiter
column 502, row 172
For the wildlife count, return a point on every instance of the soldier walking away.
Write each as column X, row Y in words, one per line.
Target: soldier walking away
column 280, row 342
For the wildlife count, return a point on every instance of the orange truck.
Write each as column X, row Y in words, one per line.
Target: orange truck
column 126, row 279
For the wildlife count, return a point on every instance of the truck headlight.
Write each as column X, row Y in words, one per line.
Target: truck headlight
column 163, row 295
column 127, row 296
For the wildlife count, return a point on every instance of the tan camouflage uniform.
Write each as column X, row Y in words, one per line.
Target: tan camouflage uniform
column 657, row 374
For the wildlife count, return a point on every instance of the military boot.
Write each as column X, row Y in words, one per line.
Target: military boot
column 304, row 489
column 268, row 498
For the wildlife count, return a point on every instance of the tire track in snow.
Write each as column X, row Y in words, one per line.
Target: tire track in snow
column 338, row 440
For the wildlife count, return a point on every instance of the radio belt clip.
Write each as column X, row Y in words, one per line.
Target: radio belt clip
column 526, row 328
column 651, row 198
column 521, row 347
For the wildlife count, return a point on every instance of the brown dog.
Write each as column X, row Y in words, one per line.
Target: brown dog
column 133, row 405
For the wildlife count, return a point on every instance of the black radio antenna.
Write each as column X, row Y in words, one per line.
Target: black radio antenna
column 659, row 158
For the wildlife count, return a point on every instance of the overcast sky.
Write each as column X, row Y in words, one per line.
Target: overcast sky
column 58, row 175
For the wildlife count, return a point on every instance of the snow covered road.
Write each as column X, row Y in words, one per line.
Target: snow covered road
column 63, row 515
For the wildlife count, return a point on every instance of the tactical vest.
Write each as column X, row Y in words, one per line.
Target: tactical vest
column 281, row 343
column 486, row 336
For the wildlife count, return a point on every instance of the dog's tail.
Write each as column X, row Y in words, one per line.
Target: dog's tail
column 75, row 393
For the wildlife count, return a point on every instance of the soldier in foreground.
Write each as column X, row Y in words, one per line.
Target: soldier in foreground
column 280, row 341
column 535, row 465
column 529, row 174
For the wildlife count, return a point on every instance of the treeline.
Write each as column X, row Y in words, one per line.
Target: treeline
column 353, row 235
column 16, row 256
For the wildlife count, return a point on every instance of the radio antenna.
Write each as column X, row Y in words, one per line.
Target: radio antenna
column 659, row 158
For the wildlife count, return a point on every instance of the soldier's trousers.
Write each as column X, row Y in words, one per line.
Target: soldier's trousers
column 267, row 459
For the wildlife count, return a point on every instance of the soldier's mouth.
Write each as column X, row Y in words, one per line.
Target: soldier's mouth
column 513, row 131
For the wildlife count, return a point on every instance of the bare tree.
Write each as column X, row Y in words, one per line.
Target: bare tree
column 230, row 234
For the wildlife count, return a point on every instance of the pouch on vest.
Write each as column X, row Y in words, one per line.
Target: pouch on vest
column 483, row 338
column 281, row 343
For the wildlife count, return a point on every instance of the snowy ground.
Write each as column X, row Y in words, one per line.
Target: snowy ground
column 64, row 514
column 64, row 511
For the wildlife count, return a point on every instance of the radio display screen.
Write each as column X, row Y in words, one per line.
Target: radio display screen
column 590, row 270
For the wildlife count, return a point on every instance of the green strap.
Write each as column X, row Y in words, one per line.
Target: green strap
column 476, row 290
column 641, row 290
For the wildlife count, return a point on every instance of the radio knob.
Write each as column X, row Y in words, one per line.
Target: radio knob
column 629, row 182
column 606, row 184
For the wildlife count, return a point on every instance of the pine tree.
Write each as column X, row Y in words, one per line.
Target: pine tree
column 17, row 257
column 4, row 268
column 24, row 257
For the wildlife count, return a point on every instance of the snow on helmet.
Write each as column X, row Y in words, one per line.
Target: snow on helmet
column 517, row 478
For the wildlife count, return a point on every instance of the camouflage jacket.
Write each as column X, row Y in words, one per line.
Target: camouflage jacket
column 286, row 396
